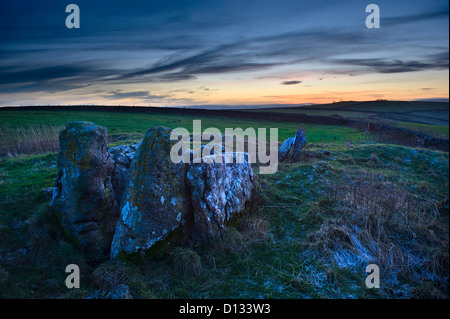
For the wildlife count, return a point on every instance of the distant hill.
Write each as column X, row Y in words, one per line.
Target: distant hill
column 420, row 112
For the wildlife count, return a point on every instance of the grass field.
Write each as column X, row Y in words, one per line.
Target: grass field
column 132, row 126
column 351, row 201
column 428, row 117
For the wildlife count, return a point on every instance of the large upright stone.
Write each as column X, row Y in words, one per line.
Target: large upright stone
column 156, row 200
column 291, row 149
column 83, row 192
column 284, row 149
column 220, row 190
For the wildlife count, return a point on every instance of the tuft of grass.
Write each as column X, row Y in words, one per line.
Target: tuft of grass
column 255, row 229
column 111, row 274
column 186, row 261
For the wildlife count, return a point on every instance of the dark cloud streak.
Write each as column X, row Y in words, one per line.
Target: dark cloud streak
column 119, row 95
column 431, row 62
column 290, row 82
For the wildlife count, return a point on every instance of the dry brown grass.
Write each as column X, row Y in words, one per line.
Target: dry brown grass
column 29, row 139
column 369, row 219
column 255, row 228
column 110, row 274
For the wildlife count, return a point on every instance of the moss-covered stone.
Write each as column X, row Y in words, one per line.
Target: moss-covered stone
column 83, row 192
column 156, row 200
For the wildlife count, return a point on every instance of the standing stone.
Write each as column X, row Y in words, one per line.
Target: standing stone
column 300, row 140
column 219, row 191
column 123, row 156
column 285, row 148
column 291, row 149
column 156, row 200
column 83, row 192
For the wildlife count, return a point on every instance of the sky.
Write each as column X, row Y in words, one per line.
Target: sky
column 222, row 52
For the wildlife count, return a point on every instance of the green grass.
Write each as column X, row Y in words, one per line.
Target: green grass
column 30, row 254
column 134, row 125
column 284, row 249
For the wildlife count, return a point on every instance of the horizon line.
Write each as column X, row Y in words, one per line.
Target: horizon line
column 281, row 105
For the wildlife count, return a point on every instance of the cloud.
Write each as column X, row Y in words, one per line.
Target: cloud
column 48, row 78
column 217, row 60
column 250, row 54
column 18, row 74
column 438, row 61
column 290, row 82
column 414, row 18
column 145, row 95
